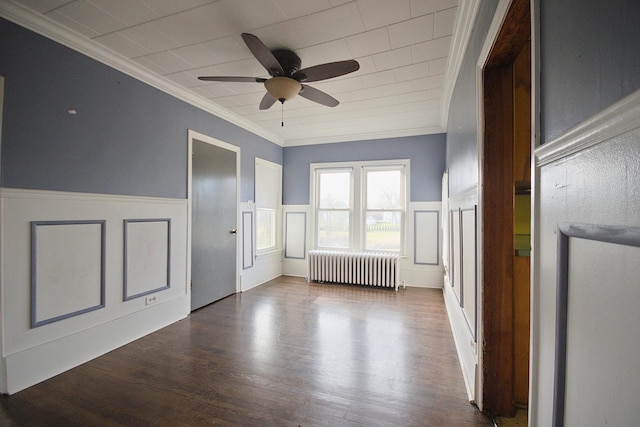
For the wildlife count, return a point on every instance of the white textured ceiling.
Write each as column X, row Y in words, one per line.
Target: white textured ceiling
column 403, row 47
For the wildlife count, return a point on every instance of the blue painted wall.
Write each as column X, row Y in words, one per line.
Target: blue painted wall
column 590, row 58
column 462, row 125
column 127, row 137
column 426, row 152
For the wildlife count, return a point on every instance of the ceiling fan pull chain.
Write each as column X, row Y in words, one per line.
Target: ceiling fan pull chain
column 282, row 114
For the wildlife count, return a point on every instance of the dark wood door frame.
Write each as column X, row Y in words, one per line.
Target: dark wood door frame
column 497, row 194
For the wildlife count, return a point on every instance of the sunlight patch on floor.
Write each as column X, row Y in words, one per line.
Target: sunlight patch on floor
column 520, row 420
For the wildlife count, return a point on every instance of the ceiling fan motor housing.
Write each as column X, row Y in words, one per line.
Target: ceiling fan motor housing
column 289, row 61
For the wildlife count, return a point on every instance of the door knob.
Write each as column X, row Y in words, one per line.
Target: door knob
column 233, row 231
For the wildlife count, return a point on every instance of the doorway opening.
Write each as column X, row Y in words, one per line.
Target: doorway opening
column 506, row 200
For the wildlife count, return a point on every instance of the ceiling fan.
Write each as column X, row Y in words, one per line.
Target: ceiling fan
column 287, row 79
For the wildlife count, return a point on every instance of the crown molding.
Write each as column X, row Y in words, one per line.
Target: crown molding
column 427, row 130
column 468, row 9
column 47, row 27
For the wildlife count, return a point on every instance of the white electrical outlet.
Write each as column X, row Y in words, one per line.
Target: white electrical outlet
column 151, row 300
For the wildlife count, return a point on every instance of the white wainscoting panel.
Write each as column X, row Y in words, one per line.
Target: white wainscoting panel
column 147, row 256
column 67, row 269
column 421, row 265
column 295, row 228
column 469, row 268
column 296, row 231
column 456, row 254
column 247, row 239
column 461, row 295
column 259, row 268
column 426, row 239
column 588, row 176
column 602, row 337
column 33, row 354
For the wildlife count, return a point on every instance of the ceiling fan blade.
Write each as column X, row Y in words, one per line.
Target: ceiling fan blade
column 267, row 101
column 318, row 96
column 326, row 71
column 232, row 79
column 263, row 54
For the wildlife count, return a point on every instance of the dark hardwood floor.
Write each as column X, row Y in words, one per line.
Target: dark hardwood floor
column 286, row 353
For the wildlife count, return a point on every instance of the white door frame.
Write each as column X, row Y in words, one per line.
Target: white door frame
column 193, row 135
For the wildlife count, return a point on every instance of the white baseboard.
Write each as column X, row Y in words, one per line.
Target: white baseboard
column 266, row 267
column 294, row 267
column 36, row 364
column 465, row 345
column 422, row 278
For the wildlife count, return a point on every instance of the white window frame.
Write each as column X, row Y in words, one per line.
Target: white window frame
column 357, row 218
column 277, row 220
column 317, row 209
column 403, row 202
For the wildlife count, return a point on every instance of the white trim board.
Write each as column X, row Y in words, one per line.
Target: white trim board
column 465, row 346
column 20, row 193
column 535, row 217
column 618, row 119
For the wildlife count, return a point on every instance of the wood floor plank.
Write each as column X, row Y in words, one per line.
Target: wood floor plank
column 286, row 353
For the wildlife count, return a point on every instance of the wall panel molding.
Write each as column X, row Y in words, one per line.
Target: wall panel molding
column 456, row 254
column 247, row 239
column 469, row 263
column 423, row 252
column 295, row 240
column 619, row 235
column 147, row 256
column 295, row 266
column 67, row 269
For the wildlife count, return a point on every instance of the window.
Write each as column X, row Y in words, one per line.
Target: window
column 268, row 178
column 383, row 209
column 359, row 206
column 334, row 208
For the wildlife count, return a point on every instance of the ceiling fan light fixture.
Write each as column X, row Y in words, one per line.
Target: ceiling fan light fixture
column 282, row 88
